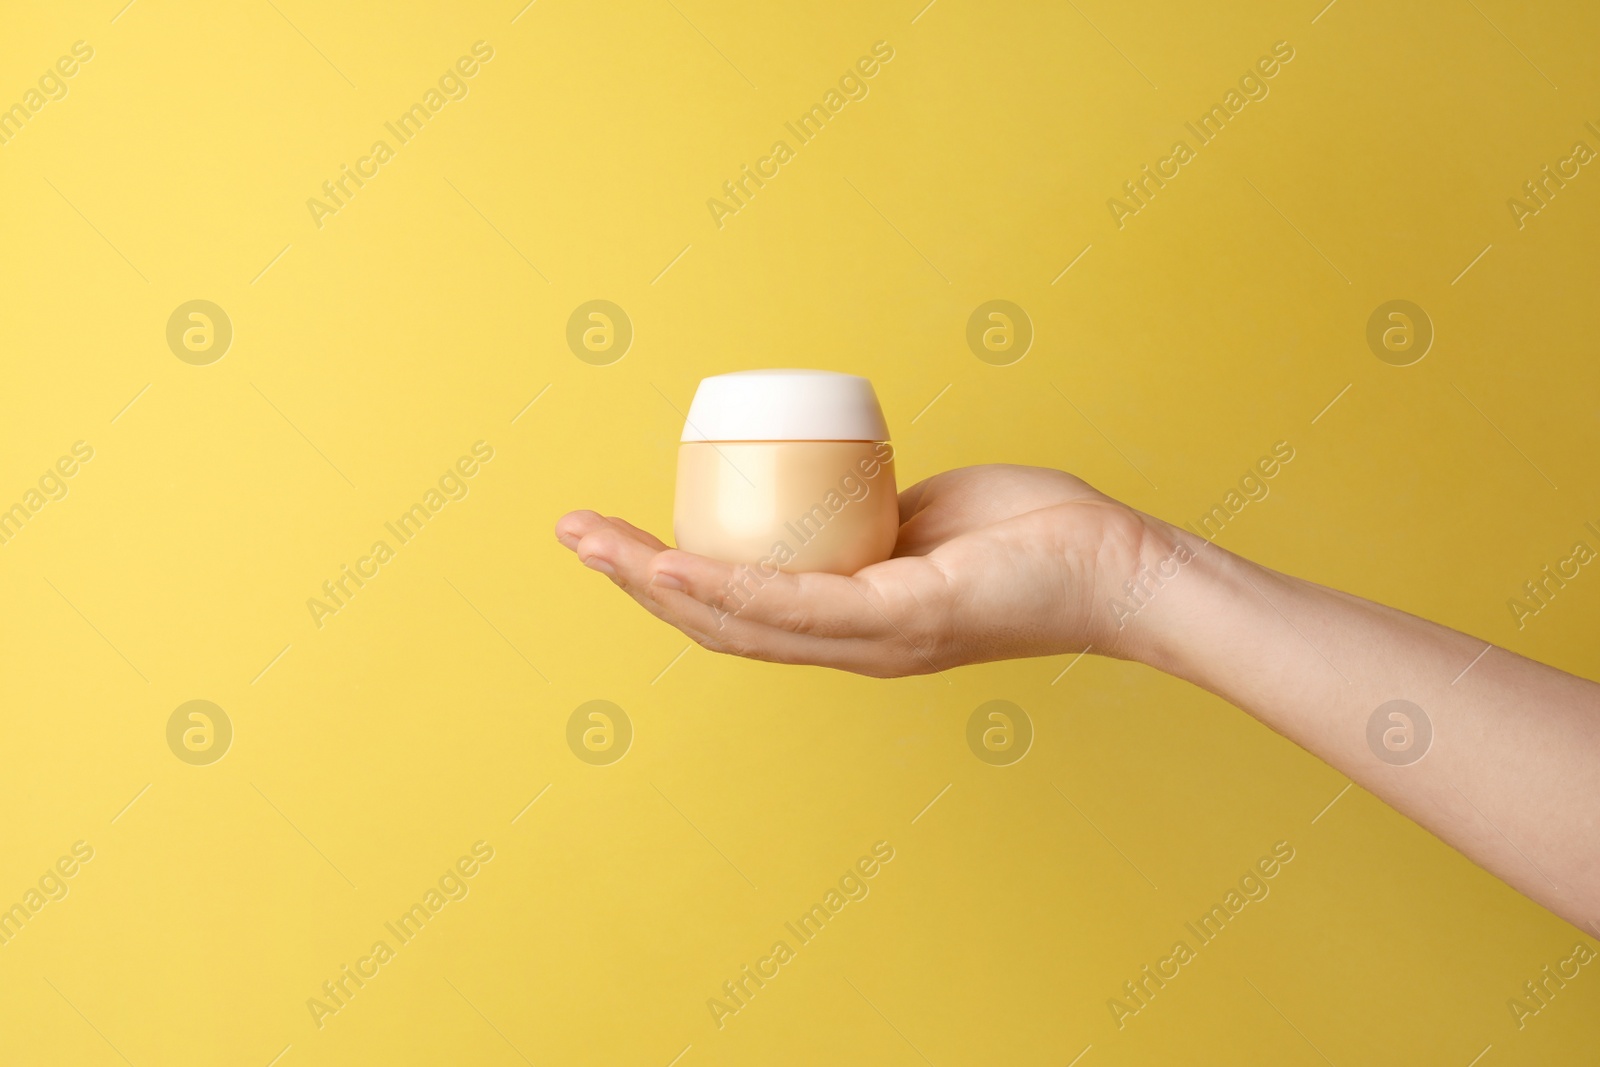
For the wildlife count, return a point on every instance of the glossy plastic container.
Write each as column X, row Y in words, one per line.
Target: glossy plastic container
column 787, row 470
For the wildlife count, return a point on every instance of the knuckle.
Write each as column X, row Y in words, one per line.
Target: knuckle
column 718, row 600
column 707, row 641
column 739, row 646
column 796, row 619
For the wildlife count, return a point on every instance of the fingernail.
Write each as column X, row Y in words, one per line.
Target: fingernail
column 595, row 563
column 567, row 540
column 668, row 581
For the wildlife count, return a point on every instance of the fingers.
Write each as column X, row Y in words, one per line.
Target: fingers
column 911, row 499
column 827, row 620
column 623, row 553
column 615, row 548
column 644, row 535
column 819, row 619
column 571, row 527
column 822, row 605
column 720, row 631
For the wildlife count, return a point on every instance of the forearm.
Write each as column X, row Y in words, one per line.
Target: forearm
column 1511, row 776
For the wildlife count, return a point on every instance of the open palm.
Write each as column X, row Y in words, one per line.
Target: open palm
column 991, row 562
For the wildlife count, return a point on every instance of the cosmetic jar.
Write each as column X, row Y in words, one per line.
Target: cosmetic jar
column 787, row 470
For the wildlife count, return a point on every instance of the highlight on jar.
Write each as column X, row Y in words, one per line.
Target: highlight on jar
column 788, row 469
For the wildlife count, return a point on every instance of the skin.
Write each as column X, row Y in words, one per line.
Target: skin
column 1001, row 562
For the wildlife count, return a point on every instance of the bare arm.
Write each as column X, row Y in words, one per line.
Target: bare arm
column 1511, row 773
column 1496, row 754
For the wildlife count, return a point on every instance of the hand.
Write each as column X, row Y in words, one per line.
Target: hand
column 992, row 562
column 998, row 562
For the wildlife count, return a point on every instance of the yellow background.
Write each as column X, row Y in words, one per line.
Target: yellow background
column 375, row 750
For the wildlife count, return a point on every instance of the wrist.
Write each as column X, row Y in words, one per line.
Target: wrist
column 1172, row 591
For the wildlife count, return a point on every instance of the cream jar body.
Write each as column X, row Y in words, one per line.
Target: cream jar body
column 789, row 470
column 795, row 505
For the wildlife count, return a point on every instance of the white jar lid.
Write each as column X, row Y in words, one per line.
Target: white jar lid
column 785, row 405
